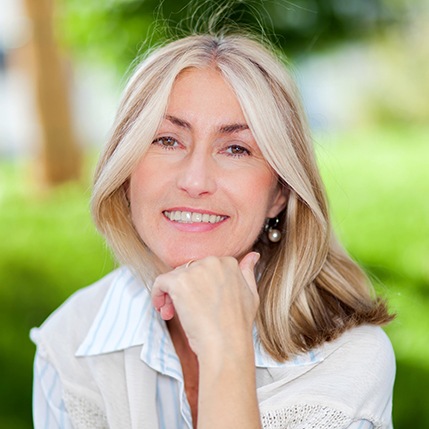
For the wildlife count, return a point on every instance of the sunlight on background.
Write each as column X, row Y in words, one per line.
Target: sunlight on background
column 362, row 68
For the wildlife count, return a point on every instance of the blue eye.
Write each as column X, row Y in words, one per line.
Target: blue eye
column 237, row 150
column 166, row 142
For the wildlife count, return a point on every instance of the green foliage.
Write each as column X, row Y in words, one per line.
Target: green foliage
column 378, row 184
column 378, row 188
column 48, row 249
column 116, row 31
column 400, row 66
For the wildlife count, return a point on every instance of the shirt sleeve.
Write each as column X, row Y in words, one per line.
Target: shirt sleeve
column 49, row 411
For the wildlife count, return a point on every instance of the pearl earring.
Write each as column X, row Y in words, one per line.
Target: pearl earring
column 274, row 234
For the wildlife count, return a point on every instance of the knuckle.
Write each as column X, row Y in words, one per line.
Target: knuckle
column 230, row 261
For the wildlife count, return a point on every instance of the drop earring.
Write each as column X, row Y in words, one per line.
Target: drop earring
column 273, row 234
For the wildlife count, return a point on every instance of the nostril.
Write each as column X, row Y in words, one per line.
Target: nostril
column 197, row 178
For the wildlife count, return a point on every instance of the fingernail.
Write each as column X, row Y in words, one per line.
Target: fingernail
column 256, row 257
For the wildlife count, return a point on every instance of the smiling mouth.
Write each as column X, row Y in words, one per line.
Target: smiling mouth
column 193, row 217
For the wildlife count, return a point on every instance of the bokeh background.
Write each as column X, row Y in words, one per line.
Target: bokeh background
column 363, row 69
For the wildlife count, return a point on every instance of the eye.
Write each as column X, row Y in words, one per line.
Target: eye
column 166, row 142
column 237, row 151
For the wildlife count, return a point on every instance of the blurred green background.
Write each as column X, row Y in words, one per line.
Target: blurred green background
column 362, row 67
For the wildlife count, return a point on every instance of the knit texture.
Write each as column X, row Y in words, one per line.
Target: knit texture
column 83, row 413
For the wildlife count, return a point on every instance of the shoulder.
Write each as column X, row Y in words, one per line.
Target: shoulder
column 366, row 341
column 352, row 375
column 69, row 323
column 359, row 352
column 364, row 350
column 358, row 369
column 358, row 373
column 80, row 385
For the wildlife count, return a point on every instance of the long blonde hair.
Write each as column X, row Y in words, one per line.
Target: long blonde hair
column 310, row 289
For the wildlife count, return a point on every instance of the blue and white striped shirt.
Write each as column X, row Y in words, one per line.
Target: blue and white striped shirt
column 126, row 319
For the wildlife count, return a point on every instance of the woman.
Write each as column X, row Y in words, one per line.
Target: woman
column 235, row 306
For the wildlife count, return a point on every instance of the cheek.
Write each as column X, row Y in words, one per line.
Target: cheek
column 142, row 181
column 261, row 192
column 139, row 195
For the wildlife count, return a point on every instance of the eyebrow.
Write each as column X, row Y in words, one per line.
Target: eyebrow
column 223, row 129
column 179, row 122
column 232, row 128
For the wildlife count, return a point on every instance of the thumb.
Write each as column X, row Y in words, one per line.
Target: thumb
column 247, row 267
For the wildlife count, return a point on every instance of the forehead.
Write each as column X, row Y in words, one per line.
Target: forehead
column 204, row 92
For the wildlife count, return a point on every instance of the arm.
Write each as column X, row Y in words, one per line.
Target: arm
column 216, row 301
column 48, row 407
column 227, row 395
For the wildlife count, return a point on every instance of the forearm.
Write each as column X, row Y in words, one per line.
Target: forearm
column 227, row 390
column 216, row 301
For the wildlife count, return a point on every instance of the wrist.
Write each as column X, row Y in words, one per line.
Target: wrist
column 223, row 356
column 227, row 388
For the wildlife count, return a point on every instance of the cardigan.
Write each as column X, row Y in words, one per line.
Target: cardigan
column 342, row 384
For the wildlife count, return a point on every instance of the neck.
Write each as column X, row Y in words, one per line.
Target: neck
column 189, row 362
column 178, row 337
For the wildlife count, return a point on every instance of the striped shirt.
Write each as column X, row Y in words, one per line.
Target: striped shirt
column 126, row 319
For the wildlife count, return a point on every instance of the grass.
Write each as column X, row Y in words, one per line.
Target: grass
column 377, row 183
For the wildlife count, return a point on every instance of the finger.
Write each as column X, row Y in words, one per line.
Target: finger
column 158, row 299
column 167, row 311
column 164, row 305
column 161, row 298
column 187, row 265
column 247, row 266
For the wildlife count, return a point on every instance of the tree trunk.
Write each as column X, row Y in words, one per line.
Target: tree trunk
column 59, row 157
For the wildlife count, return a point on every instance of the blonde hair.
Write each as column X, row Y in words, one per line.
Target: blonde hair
column 310, row 289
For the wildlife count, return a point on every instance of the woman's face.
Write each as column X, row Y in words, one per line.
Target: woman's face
column 203, row 187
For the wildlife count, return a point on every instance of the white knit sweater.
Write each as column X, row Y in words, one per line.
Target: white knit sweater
column 350, row 381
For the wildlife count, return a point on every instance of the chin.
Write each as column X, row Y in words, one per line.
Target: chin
column 184, row 257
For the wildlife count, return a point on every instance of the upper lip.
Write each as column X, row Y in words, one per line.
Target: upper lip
column 194, row 210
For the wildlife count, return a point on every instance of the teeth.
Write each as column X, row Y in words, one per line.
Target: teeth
column 197, row 217
column 186, row 216
column 189, row 217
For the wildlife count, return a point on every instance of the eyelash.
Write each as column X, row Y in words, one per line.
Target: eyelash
column 160, row 141
column 171, row 145
column 243, row 151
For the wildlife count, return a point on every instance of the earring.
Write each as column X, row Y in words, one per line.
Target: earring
column 273, row 234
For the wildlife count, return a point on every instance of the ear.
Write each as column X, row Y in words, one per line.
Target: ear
column 278, row 201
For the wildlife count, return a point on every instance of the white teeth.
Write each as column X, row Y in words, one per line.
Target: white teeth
column 189, row 217
column 197, row 217
column 186, row 216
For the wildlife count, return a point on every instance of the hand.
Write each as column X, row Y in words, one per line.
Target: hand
column 215, row 299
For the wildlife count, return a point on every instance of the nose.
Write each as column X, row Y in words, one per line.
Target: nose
column 198, row 174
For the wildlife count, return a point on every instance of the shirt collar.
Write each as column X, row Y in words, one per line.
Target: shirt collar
column 122, row 318
column 264, row 360
column 127, row 319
